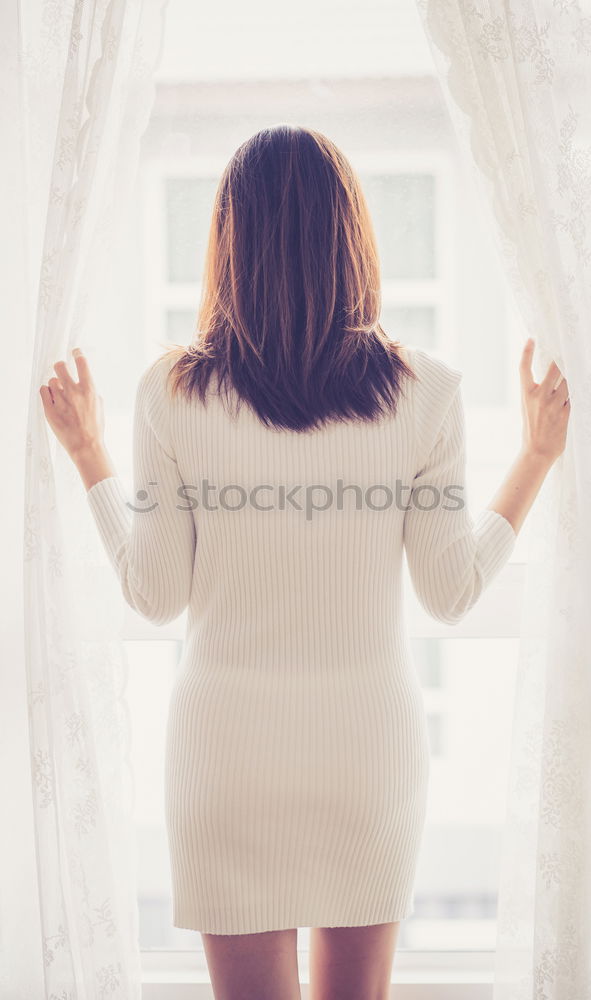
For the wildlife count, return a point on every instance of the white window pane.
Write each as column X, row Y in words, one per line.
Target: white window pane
column 402, row 208
column 485, row 384
column 426, row 654
column 435, row 725
column 410, row 324
column 189, row 206
column 152, row 670
column 181, row 325
column 484, row 329
column 456, row 886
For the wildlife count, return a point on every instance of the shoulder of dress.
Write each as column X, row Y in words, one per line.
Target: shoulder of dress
column 154, row 400
column 433, row 393
column 436, row 376
column 153, row 382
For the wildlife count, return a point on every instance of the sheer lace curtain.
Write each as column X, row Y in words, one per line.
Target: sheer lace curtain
column 517, row 78
column 77, row 90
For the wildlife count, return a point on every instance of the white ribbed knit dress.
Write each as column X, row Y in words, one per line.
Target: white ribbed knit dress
column 297, row 757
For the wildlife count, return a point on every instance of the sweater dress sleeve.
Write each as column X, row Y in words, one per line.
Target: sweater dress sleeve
column 451, row 558
column 149, row 540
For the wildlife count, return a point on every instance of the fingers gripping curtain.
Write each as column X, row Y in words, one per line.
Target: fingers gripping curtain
column 85, row 90
column 516, row 77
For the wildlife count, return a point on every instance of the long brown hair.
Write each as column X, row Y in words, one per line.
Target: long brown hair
column 291, row 297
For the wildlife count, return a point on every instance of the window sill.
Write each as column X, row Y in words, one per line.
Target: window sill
column 445, row 985
column 415, row 976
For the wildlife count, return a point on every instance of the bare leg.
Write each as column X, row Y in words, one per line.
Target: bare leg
column 253, row 966
column 347, row 963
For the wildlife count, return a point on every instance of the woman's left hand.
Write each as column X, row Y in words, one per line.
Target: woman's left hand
column 73, row 409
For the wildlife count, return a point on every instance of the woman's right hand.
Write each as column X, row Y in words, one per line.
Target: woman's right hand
column 545, row 409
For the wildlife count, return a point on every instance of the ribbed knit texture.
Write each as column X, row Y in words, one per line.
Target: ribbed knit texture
column 297, row 755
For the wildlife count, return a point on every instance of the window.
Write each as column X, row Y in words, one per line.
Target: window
column 410, row 196
column 427, row 656
column 180, row 325
column 442, row 289
column 189, row 204
column 403, row 210
column 455, row 891
column 153, row 665
column 435, row 726
column 411, row 324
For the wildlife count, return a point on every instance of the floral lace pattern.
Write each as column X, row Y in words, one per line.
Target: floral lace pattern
column 516, row 78
column 86, row 85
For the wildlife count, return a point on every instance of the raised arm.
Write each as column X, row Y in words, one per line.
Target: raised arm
column 545, row 409
column 151, row 543
column 152, row 547
column 451, row 557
